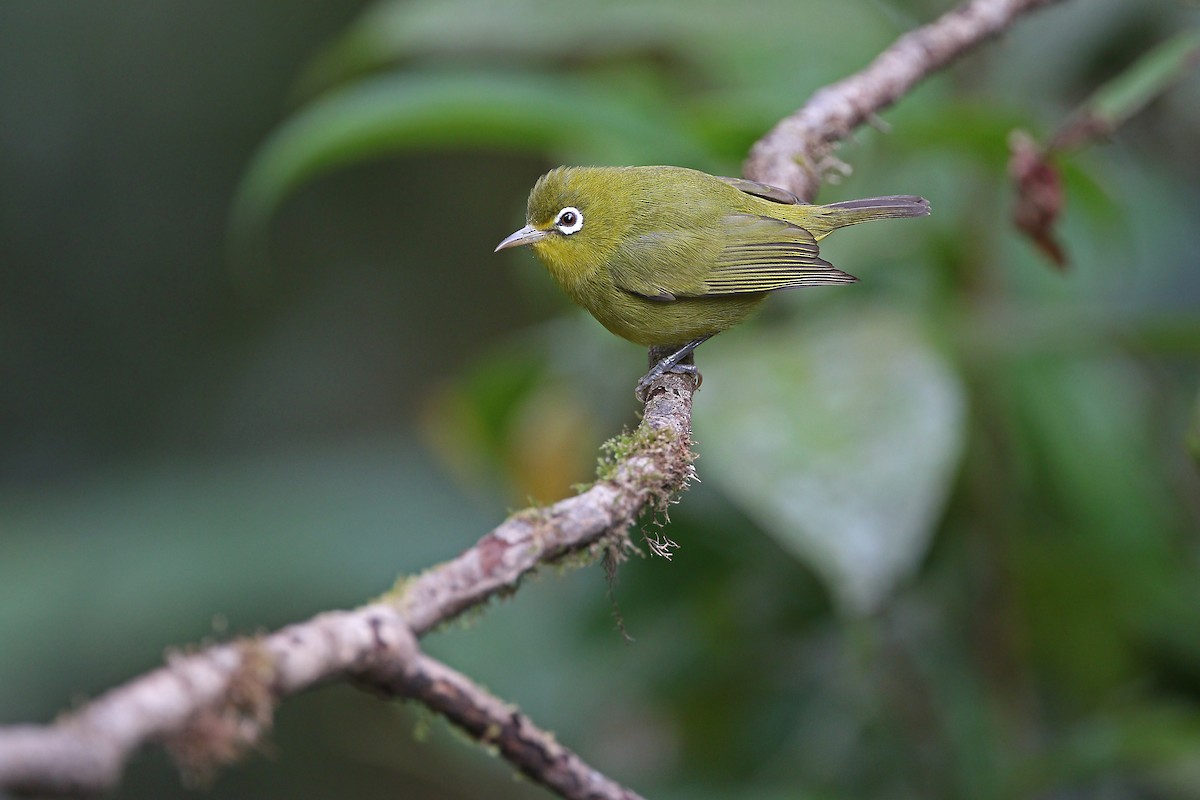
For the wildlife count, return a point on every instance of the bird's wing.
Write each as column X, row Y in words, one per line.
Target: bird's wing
column 764, row 190
column 741, row 253
column 761, row 254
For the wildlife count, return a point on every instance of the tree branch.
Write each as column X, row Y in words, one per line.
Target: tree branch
column 488, row 720
column 794, row 154
column 209, row 707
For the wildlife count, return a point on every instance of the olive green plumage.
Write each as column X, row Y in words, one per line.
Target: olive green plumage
column 665, row 255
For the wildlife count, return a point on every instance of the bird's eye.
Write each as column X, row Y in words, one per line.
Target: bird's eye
column 569, row 220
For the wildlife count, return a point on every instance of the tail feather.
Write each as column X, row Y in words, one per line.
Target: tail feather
column 851, row 212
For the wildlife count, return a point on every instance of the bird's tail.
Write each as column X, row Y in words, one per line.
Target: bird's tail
column 829, row 218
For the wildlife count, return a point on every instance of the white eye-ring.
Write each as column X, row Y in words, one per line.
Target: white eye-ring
column 569, row 220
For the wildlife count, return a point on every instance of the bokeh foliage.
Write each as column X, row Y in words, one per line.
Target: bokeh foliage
column 946, row 542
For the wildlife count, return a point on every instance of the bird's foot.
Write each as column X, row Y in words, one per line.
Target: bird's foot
column 678, row 362
column 643, row 386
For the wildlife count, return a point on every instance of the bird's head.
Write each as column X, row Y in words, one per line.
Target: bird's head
column 572, row 221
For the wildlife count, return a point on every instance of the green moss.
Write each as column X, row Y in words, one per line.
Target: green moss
column 621, row 447
column 534, row 514
column 650, row 488
column 422, row 722
column 395, row 595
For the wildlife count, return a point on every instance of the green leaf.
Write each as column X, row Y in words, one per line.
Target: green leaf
column 703, row 41
column 1100, row 576
column 1148, row 77
column 531, row 29
column 841, row 440
column 1131, row 91
column 571, row 118
column 1141, row 734
column 1193, row 434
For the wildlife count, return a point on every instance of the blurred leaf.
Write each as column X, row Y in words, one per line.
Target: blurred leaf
column 715, row 41
column 1158, row 740
column 1033, row 167
column 508, row 417
column 468, row 423
column 1086, row 421
column 534, row 408
column 1102, row 570
column 1193, row 434
column 390, row 31
column 1040, row 197
column 841, row 439
column 960, row 126
column 573, row 118
column 1130, row 92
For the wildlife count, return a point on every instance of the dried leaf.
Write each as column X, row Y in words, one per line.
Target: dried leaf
column 1040, row 196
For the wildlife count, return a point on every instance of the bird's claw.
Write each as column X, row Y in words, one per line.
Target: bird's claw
column 679, row 362
column 642, row 392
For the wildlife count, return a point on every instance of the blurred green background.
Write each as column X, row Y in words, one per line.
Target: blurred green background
column 257, row 359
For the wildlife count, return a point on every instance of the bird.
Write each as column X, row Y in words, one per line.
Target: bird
column 667, row 257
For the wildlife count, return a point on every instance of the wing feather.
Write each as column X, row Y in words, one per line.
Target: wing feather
column 762, row 254
column 764, row 190
column 742, row 253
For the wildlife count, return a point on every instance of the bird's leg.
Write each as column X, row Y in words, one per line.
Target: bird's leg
column 664, row 360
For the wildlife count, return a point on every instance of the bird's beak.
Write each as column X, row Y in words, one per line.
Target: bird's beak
column 527, row 235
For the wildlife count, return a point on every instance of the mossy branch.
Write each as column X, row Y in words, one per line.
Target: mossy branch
column 210, row 707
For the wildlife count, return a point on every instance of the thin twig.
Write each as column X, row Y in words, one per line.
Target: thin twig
column 490, row 721
column 798, row 151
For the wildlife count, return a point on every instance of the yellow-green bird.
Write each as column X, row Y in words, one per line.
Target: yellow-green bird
column 667, row 257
